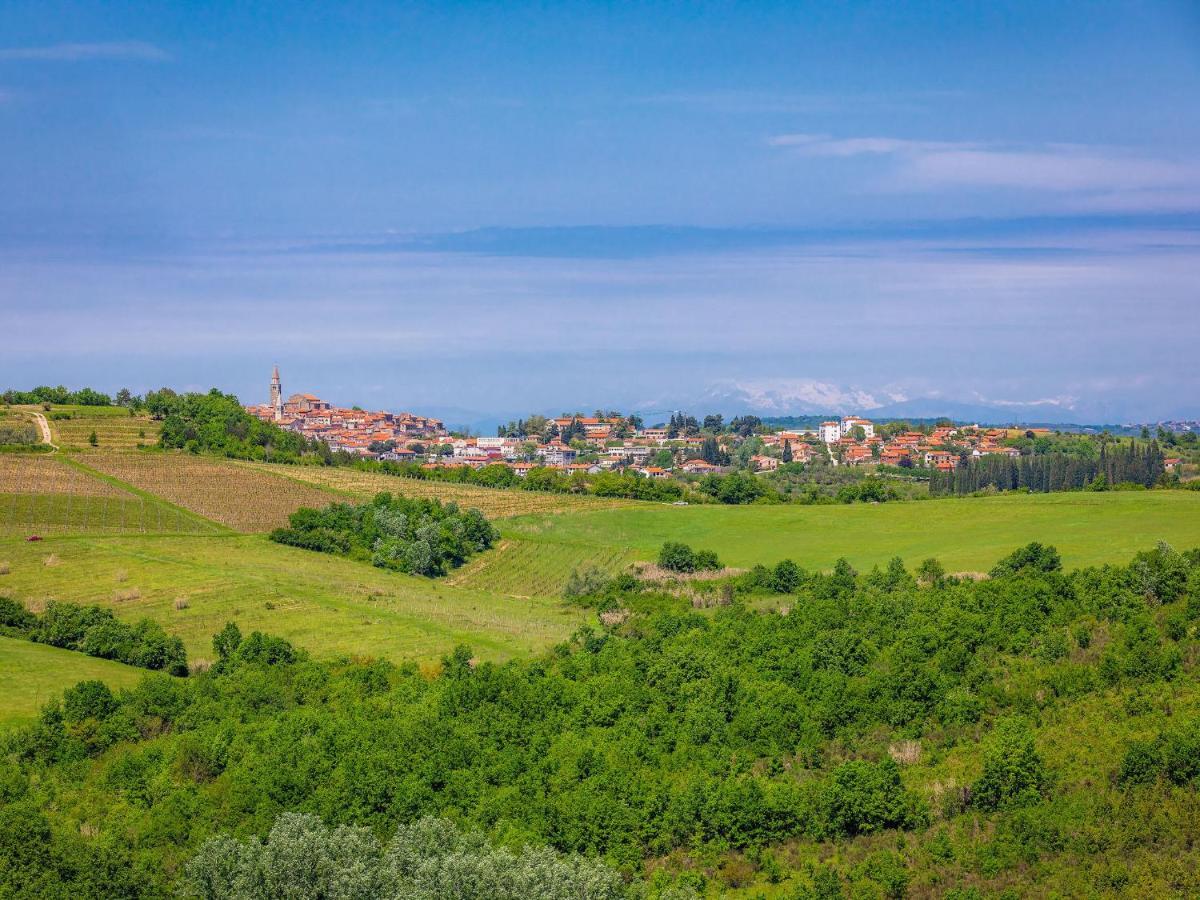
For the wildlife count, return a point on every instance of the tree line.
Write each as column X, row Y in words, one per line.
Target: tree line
column 97, row 632
column 1122, row 464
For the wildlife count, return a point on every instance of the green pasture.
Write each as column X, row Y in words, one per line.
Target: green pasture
column 519, row 568
column 331, row 606
column 31, row 674
column 967, row 534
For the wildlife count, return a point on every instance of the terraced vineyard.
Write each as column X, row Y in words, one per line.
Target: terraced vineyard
column 239, row 497
column 520, row 568
column 495, row 503
column 115, row 428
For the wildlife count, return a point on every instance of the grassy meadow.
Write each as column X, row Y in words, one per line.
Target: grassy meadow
column 330, row 606
column 967, row 535
column 31, row 674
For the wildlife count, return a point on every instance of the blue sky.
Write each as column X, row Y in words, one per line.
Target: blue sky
column 492, row 208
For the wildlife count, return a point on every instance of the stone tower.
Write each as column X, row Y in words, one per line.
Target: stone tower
column 276, row 394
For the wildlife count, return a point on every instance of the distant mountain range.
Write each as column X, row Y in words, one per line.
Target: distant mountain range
column 804, row 397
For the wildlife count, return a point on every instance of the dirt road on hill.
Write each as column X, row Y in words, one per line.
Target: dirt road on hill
column 44, row 428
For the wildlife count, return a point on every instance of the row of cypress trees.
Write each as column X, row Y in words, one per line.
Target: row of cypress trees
column 1130, row 463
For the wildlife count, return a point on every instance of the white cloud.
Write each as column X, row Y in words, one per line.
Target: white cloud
column 1104, row 177
column 110, row 50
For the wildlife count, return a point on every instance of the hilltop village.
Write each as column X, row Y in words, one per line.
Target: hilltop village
column 609, row 440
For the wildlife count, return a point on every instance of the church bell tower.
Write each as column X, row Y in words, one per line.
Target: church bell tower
column 276, row 394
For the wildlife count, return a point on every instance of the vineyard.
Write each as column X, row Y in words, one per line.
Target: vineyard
column 43, row 495
column 495, row 503
column 521, row 568
column 22, row 473
column 72, row 426
column 40, row 514
column 330, row 606
column 237, row 496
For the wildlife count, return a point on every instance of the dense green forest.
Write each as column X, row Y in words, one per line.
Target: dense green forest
column 680, row 747
column 420, row 536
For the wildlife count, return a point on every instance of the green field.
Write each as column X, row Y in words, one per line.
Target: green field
column 967, row 534
column 326, row 604
column 31, row 674
column 518, row 568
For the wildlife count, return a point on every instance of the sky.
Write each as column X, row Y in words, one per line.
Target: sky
column 488, row 209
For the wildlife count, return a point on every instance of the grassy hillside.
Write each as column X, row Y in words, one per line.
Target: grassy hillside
column 31, row 674
column 328, row 605
column 518, row 568
column 967, row 534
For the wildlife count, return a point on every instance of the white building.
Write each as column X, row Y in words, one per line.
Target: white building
column 849, row 422
column 831, row 432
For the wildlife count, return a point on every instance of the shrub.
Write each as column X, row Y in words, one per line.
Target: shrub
column 786, row 577
column 1033, row 557
column 1013, row 771
column 96, row 632
column 13, row 614
column 863, row 797
column 930, row 572
column 677, row 557
column 88, row 700
column 591, row 581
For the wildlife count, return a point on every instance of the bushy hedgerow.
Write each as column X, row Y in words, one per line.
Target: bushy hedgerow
column 97, row 632
column 420, row 536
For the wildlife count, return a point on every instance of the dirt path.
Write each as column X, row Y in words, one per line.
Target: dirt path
column 44, row 427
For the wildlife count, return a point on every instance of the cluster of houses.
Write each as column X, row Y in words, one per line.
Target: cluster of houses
column 348, row 430
column 602, row 443
column 853, row 442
